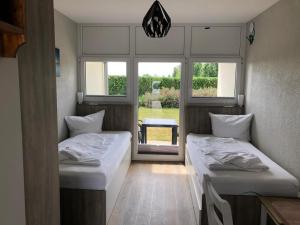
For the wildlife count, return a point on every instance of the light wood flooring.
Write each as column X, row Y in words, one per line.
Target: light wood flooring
column 154, row 194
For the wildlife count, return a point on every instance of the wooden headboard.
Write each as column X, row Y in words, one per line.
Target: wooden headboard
column 197, row 118
column 117, row 117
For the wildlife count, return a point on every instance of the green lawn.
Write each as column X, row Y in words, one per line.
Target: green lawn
column 159, row 134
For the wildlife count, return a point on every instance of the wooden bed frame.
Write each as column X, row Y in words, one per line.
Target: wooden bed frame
column 245, row 209
column 94, row 207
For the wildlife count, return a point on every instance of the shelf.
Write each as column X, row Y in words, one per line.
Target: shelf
column 11, row 29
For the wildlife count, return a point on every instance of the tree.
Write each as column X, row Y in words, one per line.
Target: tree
column 205, row 69
column 210, row 70
column 176, row 72
column 197, row 69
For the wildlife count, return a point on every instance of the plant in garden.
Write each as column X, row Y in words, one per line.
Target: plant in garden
column 148, row 98
column 142, row 100
column 204, row 82
column 169, row 98
column 205, row 92
column 117, row 85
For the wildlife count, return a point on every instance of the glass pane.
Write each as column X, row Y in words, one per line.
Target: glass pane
column 95, row 82
column 158, row 113
column 106, row 78
column 117, row 78
column 213, row 79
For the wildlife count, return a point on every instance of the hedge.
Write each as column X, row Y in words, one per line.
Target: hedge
column 205, row 82
column 145, row 83
column 117, row 84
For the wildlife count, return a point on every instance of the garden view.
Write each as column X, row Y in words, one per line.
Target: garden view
column 159, row 93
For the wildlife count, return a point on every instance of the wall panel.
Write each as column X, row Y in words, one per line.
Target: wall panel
column 216, row 40
column 172, row 44
column 105, row 40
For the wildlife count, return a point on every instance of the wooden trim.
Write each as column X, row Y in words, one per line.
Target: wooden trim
column 271, row 212
column 39, row 115
column 282, row 210
column 9, row 28
column 12, row 29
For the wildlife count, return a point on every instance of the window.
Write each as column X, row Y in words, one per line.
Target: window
column 214, row 79
column 105, row 78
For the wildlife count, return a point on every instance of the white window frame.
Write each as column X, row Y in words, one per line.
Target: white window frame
column 215, row 100
column 158, row 157
column 105, row 98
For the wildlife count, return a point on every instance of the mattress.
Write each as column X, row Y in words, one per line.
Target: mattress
column 272, row 182
column 96, row 178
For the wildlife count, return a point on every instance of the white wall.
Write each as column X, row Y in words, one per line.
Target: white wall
column 273, row 84
column 66, row 84
column 12, row 205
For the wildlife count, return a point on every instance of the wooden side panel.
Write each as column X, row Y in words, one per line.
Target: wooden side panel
column 197, row 117
column 245, row 209
column 82, row 207
column 39, row 116
column 117, row 117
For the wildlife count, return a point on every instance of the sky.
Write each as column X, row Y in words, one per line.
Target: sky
column 151, row 68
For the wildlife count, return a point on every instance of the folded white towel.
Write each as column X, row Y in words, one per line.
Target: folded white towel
column 85, row 149
column 88, row 162
column 236, row 160
column 229, row 154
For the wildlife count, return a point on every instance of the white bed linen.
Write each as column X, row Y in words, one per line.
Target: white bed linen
column 275, row 181
column 96, row 178
column 229, row 154
column 85, row 149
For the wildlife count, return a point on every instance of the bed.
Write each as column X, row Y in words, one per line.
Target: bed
column 240, row 188
column 88, row 193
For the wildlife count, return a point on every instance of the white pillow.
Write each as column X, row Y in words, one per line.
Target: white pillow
column 88, row 124
column 231, row 126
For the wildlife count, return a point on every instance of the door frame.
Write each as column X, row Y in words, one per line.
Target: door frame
column 183, row 97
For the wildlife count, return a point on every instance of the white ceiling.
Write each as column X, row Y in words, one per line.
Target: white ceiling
column 183, row 11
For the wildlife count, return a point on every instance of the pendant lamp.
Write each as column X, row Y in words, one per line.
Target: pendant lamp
column 156, row 22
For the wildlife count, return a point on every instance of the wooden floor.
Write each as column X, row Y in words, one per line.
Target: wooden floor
column 154, row 194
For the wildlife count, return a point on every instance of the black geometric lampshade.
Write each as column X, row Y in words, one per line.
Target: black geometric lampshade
column 157, row 22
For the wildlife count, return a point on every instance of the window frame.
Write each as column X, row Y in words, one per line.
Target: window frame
column 183, row 86
column 105, row 98
column 215, row 100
